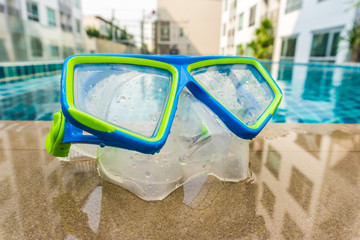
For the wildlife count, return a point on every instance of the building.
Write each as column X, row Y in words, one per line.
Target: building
column 108, row 29
column 311, row 30
column 239, row 20
column 103, row 36
column 297, row 194
column 305, row 30
column 148, row 24
column 40, row 30
column 180, row 29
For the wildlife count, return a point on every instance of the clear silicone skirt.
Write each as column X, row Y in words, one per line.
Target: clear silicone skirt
column 199, row 144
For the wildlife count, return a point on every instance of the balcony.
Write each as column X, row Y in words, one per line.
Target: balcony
column 66, row 27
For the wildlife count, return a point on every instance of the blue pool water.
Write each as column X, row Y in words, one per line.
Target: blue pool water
column 317, row 93
column 312, row 94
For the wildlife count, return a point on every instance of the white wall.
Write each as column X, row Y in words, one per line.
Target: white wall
column 49, row 35
column 246, row 34
column 313, row 16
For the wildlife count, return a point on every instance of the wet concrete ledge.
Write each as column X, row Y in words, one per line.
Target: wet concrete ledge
column 305, row 185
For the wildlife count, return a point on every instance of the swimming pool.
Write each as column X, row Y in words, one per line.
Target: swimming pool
column 313, row 93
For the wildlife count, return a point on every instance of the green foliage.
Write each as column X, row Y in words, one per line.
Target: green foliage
column 353, row 38
column 263, row 43
column 239, row 50
column 92, row 32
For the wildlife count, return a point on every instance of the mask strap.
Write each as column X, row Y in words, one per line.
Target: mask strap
column 53, row 143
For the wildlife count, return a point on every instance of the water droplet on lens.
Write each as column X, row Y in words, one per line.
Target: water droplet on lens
column 102, row 145
column 221, row 93
column 134, row 165
column 160, row 89
column 122, row 97
column 150, row 186
column 147, row 174
column 92, row 85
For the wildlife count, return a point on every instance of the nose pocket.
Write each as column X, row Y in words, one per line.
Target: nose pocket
column 202, row 134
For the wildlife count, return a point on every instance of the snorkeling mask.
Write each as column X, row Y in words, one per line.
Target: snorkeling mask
column 128, row 103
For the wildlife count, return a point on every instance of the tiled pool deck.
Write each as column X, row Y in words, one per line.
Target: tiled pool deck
column 306, row 184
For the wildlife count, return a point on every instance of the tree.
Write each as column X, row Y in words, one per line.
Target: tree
column 264, row 41
column 353, row 38
column 92, row 32
column 239, row 50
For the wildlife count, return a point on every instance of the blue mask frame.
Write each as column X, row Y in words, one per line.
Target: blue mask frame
column 70, row 123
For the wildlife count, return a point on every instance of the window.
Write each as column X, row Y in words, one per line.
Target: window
column 288, row 47
column 32, row 11
column 241, row 19
column 319, row 44
column 235, row 3
column 3, row 53
column 2, row 8
column 224, row 29
column 292, row 5
column 249, row 51
column 181, row 32
column 252, row 16
column 54, row 51
column 78, row 25
column 324, row 46
column 273, row 161
column 77, row 3
column 334, row 44
column 300, row 188
column 165, row 32
column 268, row 200
column 51, row 17
column 290, row 230
column 36, row 47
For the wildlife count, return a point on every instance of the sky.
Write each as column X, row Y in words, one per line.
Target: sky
column 128, row 13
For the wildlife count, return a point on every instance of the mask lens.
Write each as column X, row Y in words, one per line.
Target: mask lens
column 129, row 96
column 238, row 87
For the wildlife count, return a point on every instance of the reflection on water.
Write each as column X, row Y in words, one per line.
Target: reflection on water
column 297, row 194
column 300, row 188
column 300, row 195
